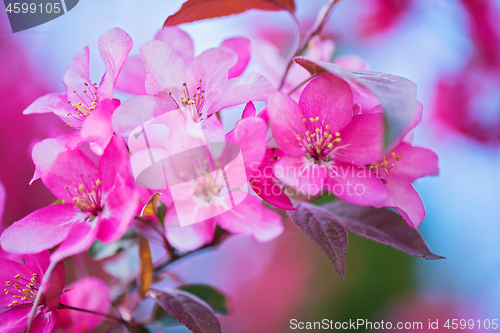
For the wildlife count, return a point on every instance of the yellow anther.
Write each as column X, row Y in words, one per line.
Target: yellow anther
column 318, row 130
column 327, row 127
column 98, row 182
column 15, row 302
column 386, row 171
column 7, row 283
column 392, row 165
column 383, row 158
column 317, row 118
column 308, row 133
column 312, row 120
column 18, row 276
column 7, row 292
column 330, row 145
column 81, row 188
column 330, row 136
column 337, row 134
column 303, row 120
column 393, row 154
column 313, row 135
column 16, row 285
column 337, row 140
column 398, row 158
column 325, row 134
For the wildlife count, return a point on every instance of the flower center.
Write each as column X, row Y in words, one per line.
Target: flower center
column 206, row 185
column 23, row 291
column 317, row 140
column 87, row 196
column 192, row 105
column 86, row 102
column 387, row 162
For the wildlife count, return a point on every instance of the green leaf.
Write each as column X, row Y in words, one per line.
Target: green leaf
column 58, row 202
column 213, row 297
column 324, row 199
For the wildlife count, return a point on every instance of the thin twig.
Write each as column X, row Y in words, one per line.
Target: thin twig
column 302, row 46
column 63, row 306
column 301, row 84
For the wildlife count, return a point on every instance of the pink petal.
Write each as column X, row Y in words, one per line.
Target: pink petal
column 284, row 118
column 132, row 77
column 329, row 98
column 114, row 47
column 39, row 262
column 249, row 87
column 405, row 199
column 122, row 205
column 362, row 140
column 80, row 239
column 58, row 105
column 14, row 319
column 97, row 127
column 243, row 47
column 250, row 135
column 44, row 322
column 307, row 178
column 137, row 111
column 188, row 238
column 77, row 72
column 213, row 130
column 416, row 162
column 166, row 71
column 177, row 40
column 7, row 273
column 268, row 190
column 53, row 285
column 41, row 230
column 249, row 110
column 251, row 217
column 88, row 293
column 264, row 183
column 70, row 168
column 356, row 185
column 44, row 153
column 2, row 201
column 350, row 62
column 212, row 66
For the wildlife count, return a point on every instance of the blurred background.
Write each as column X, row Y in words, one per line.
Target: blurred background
column 449, row 48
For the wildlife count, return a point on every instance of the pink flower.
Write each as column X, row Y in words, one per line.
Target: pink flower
column 22, row 283
column 97, row 202
column 133, row 75
column 81, row 107
column 88, row 293
column 198, row 86
column 324, row 146
column 201, row 189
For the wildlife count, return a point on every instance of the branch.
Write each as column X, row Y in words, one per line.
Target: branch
column 315, row 30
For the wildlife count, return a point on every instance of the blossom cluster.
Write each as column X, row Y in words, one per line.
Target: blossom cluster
column 163, row 166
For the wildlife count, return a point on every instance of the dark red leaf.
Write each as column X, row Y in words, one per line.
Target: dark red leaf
column 325, row 230
column 188, row 310
column 194, row 10
column 382, row 225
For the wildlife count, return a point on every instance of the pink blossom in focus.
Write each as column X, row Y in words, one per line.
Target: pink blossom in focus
column 22, row 284
column 96, row 202
column 326, row 147
column 80, row 107
column 321, row 140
